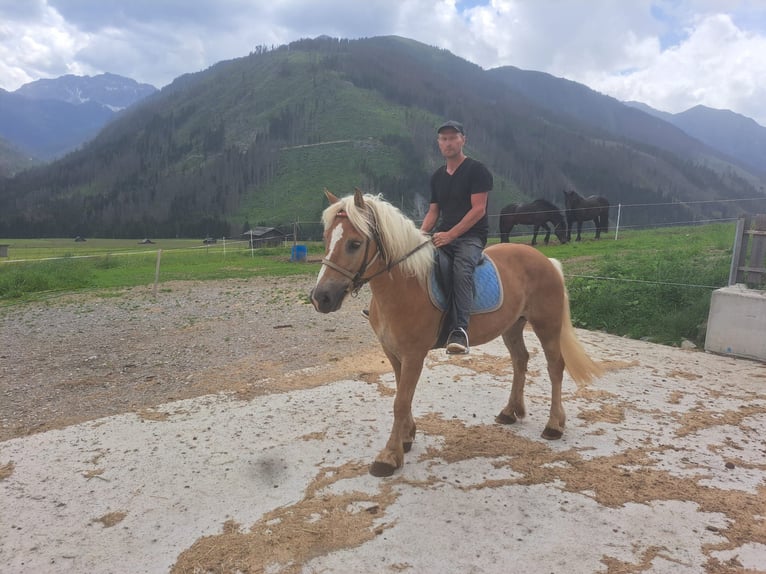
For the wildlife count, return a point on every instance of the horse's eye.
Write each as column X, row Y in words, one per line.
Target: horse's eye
column 354, row 245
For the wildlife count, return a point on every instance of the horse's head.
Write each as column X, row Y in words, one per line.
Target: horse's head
column 560, row 230
column 366, row 236
column 569, row 198
column 352, row 246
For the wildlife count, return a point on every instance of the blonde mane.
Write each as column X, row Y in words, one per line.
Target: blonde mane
column 397, row 233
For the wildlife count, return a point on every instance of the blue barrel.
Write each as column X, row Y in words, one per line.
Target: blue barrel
column 299, row 253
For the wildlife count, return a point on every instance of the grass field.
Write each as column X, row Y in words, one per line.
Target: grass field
column 653, row 284
column 44, row 266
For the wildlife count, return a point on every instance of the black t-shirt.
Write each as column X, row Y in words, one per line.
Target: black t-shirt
column 453, row 194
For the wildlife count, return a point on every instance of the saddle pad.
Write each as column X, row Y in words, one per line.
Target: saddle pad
column 487, row 289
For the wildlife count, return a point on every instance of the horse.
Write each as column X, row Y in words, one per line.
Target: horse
column 369, row 241
column 538, row 213
column 579, row 209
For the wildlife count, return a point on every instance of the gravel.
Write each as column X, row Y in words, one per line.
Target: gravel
column 78, row 357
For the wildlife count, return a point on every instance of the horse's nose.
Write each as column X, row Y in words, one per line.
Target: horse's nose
column 313, row 301
column 327, row 300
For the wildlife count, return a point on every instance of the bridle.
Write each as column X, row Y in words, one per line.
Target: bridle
column 357, row 278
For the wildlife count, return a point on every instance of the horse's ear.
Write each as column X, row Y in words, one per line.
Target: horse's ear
column 358, row 198
column 330, row 197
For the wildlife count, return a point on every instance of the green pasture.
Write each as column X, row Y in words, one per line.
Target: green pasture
column 653, row 284
column 41, row 267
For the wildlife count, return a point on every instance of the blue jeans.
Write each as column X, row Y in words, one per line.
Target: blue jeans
column 465, row 253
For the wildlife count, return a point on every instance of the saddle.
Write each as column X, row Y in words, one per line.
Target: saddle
column 487, row 290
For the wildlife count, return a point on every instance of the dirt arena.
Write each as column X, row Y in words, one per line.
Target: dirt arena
column 228, row 428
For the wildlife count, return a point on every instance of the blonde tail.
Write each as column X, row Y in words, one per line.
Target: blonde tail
column 577, row 362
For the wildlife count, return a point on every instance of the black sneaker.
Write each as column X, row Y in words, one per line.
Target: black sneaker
column 457, row 344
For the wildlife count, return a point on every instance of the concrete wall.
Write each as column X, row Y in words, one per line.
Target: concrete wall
column 736, row 323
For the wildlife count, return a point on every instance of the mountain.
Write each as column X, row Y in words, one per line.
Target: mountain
column 110, row 90
column 13, row 160
column 693, row 134
column 254, row 141
column 48, row 118
column 733, row 134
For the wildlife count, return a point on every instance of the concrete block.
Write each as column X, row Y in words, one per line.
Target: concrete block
column 736, row 323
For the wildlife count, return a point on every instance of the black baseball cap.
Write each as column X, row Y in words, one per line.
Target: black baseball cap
column 452, row 124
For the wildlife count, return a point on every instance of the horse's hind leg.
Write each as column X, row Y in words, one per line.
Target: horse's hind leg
column 514, row 340
column 550, row 341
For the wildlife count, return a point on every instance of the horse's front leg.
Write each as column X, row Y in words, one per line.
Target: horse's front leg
column 579, row 229
column 407, row 373
column 547, row 233
column 534, row 234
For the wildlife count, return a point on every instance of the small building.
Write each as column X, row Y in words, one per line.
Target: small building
column 264, row 237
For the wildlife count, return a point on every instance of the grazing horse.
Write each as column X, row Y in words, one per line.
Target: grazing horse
column 368, row 240
column 592, row 208
column 538, row 213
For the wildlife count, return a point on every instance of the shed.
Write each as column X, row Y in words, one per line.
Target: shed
column 264, row 237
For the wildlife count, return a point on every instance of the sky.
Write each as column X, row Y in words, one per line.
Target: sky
column 669, row 54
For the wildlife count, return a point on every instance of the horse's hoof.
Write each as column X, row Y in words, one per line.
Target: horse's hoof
column 381, row 469
column 407, row 446
column 552, row 434
column 505, row 419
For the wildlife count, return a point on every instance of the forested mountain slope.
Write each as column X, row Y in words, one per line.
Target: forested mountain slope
column 255, row 140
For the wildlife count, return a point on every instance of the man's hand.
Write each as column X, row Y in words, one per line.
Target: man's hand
column 442, row 238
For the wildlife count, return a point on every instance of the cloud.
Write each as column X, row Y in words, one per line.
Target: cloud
column 37, row 42
column 670, row 54
column 718, row 64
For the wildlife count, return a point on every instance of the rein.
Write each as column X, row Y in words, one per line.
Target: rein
column 357, row 279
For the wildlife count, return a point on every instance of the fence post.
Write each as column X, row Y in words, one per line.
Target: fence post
column 157, row 271
column 738, row 235
column 617, row 227
column 755, row 267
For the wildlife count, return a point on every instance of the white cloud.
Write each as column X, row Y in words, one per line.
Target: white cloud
column 718, row 65
column 39, row 47
column 670, row 54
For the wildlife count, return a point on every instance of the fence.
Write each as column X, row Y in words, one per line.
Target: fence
column 748, row 262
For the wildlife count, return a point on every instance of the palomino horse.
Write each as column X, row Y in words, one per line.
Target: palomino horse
column 579, row 209
column 539, row 213
column 368, row 240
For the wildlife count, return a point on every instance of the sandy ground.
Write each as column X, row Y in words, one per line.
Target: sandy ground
column 662, row 467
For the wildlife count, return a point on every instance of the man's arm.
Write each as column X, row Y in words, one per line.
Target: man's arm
column 477, row 211
column 431, row 218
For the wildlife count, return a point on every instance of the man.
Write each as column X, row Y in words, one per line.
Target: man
column 459, row 191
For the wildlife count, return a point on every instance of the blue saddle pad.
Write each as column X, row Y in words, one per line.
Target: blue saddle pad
column 487, row 289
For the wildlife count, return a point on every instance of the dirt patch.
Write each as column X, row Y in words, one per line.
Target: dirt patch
column 111, row 519
column 6, row 470
column 84, row 356
column 286, row 538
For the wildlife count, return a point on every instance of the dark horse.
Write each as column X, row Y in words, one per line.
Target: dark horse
column 592, row 208
column 537, row 213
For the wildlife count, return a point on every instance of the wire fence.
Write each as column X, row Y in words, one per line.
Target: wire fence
column 307, row 231
column 622, row 216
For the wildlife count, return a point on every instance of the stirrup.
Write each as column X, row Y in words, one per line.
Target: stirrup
column 457, row 343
